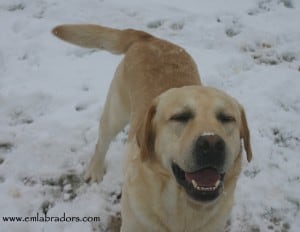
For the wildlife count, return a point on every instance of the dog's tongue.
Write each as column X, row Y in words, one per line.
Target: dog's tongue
column 206, row 177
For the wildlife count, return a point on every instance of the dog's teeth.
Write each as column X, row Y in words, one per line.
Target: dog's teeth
column 200, row 188
column 194, row 184
column 206, row 188
column 217, row 183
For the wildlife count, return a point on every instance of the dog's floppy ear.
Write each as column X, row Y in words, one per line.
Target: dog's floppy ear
column 245, row 134
column 146, row 134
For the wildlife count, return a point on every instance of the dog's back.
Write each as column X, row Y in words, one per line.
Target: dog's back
column 150, row 66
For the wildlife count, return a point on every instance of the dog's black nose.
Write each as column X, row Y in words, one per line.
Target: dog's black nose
column 208, row 143
column 209, row 150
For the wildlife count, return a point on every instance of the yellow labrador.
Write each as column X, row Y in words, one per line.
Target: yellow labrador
column 184, row 146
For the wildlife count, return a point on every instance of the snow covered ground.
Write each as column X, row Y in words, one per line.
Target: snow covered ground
column 52, row 95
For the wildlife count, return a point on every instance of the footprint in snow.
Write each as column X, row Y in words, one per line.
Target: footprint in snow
column 176, row 26
column 264, row 6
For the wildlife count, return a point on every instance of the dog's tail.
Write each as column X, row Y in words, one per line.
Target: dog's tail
column 94, row 36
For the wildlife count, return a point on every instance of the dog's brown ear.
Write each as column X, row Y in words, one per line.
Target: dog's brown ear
column 146, row 134
column 245, row 134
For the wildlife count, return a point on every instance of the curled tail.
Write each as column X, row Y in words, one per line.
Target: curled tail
column 95, row 36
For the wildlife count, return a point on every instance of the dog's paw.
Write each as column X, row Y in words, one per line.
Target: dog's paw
column 94, row 172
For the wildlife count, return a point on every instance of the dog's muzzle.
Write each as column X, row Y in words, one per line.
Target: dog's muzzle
column 204, row 181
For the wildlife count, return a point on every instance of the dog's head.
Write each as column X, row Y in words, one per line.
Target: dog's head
column 195, row 133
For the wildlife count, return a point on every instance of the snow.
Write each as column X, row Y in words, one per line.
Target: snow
column 52, row 95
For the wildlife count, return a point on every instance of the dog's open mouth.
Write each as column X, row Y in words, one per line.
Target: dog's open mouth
column 203, row 185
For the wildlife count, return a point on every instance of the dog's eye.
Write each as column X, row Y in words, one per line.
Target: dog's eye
column 182, row 117
column 225, row 118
